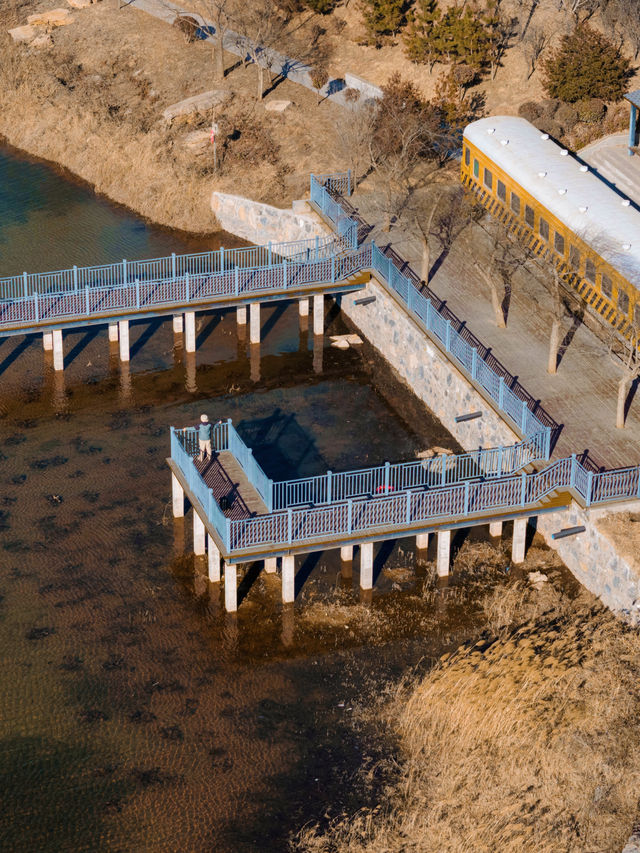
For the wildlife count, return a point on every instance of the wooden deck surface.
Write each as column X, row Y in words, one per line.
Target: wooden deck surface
column 226, row 478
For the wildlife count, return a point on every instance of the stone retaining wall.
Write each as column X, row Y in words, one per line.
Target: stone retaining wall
column 261, row 223
column 590, row 556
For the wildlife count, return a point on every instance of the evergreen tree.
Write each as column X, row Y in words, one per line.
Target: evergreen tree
column 383, row 18
column 586, row 65
column 422, row 38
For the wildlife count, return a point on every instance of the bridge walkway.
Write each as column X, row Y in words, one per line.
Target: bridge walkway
column 228, row 482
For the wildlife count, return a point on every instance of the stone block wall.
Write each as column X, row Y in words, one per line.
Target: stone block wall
column 262, row 223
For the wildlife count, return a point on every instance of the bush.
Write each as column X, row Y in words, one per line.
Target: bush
column 530, row 110
column 591, row 111
column 566, row 115
column 549, row 106
column 548, row 125
column 586, row 64
column 320, row 7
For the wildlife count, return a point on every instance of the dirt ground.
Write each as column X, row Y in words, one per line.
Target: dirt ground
column 623, row 529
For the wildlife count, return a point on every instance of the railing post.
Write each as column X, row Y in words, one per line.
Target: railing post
column 124, row 271
column 348, row 182
column 349, row 515
column 269, row 253
column 75, row 277
column 228, row 535
column 86, row 298
column 447, row 336
column 173, row 266
column 523, row 489
column 547, row 442
column 317, row 247
column 589, row 487
column 333, row 268
column 25, row 283
column 443, row 469
column 270, row 495
column 284, row 273
column 237, row 281
column 35, row 300
column 329, row 485
column 137, row 293
column 186, row 285
column 501, row 392
column 572, row 474
column 387, row 467
column 638, row 486
column 407, row 512
column 474, row 363
column 500, row 461
column 523, row 418
column 466, row 497
column 289, row 525
column 221, row 258
column 428, row 317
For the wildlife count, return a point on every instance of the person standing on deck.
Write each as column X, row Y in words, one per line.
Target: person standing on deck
column 204, row 437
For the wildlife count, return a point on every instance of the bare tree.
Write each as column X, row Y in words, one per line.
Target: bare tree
column 532, row 46
column 507, row 258
column 352, row 134
column 263, row 28
column 319, row 77
column 624, row 355
column 423, row 227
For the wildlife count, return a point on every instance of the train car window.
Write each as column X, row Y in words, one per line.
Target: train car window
column 590, row 271
column 558, row 243
column 623, row 302
column 501, row 190
column 467, row 156
column 515, row 203
column 488, row 179
column 606, row 286
column 476, row 168
column 529, row 215
column 543, row 228
column 574, row 257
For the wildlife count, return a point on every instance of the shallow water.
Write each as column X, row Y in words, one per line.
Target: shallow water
column 134, row 714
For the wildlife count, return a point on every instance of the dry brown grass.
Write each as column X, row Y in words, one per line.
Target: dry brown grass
column 525, row 742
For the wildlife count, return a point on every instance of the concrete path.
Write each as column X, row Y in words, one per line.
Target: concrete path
column 583, row 393
column 610, row 158
column 279, row 64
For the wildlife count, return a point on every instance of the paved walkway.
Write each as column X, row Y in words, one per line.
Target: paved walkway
column 226, row 478
column 279, row 64
column 583, row 393
column 610, row 158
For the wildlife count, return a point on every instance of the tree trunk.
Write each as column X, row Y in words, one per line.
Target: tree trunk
column 623, row 390
column 219, row 56
column 497, row 305
column 260, row 82
column 554, row 344
column 424, row 265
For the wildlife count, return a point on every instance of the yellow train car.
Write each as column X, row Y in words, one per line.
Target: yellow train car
column 562, row 210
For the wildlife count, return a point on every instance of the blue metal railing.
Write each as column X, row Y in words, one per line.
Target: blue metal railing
column 320, row 187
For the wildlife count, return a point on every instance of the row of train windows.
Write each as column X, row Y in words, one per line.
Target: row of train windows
column 558, row 239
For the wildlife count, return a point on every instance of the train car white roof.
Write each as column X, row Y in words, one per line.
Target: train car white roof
column 565, row 186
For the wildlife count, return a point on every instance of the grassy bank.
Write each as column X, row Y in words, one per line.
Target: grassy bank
column 524, row 741
column 92, row 101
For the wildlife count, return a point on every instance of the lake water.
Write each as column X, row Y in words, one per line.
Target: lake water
column 134, row 714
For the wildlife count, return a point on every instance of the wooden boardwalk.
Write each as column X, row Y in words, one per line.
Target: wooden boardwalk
column 226, row 478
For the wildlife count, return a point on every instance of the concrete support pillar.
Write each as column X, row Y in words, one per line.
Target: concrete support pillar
column 254, row 323
column 177, row 494
column 346, row 553
column 241, row 314
column 230, row 588
column 213, row 554
column 177, row 324
column 190, row 331
column 422, row 541
column 198, row 534
column 123, row 336
column 113, row 332
column 47, row 341
column 366, row 565
column 58, row 354
column 495, row 529
column 518, row 545
column 303, row 307
column 270, row 565
column 444, row 553
column 318, row 314
column 288, row 579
